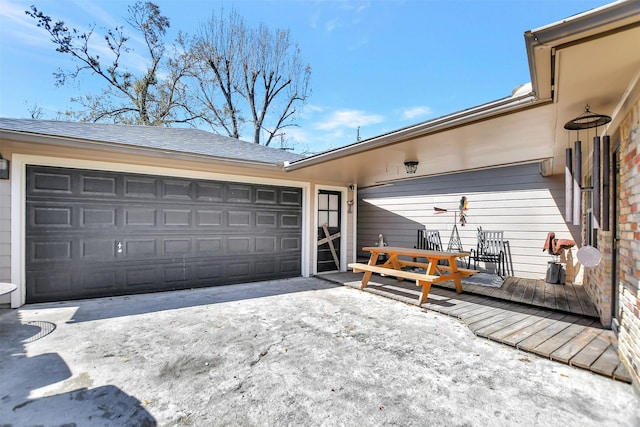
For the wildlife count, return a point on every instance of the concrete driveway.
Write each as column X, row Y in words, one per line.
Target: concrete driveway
column 300, row 352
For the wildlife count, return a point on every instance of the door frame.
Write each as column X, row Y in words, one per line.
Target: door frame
column 343, row 224
column 19, row 163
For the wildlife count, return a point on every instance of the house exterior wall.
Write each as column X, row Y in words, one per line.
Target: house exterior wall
column 515, row 199
column 11, row 211
column 628, row 243
column 5, row 236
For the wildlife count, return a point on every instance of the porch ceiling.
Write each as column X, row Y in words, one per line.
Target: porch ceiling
column 515, row 138
column 589, row 67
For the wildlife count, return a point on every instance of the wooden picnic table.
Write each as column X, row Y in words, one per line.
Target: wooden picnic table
column 434, row 270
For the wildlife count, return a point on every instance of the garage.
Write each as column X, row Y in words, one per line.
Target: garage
column 97, row 233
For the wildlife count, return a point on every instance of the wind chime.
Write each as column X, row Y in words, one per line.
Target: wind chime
column 573, row 171
column 455, row 244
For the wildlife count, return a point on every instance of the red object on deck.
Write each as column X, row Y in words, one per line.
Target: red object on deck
column 555, row 246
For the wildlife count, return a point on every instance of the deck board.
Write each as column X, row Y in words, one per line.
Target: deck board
column 529, row 290
column 587, row 306
column 562, row 302
column 487, row 330
column 483, row 314
column 518, row 293
column 573, row 300
column 572, row 347
column 538, row 295
column 526, row 333
column 498, row 316
column 550, row 295
column 519, row 326
column 607, row 363
column 588, row 355
column 558, row 340
column 543, row 335
column 508, row 288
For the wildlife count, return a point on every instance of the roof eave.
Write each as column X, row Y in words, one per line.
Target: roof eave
column 23, row 136
column 542, row 42
column 464, row 117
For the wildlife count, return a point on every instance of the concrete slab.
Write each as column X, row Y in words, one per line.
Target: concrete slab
column 291, row 352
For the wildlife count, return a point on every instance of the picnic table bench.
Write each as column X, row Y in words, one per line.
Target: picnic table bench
column 433, row 271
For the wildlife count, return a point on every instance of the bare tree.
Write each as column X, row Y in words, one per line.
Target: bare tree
column 259, row 73
column 35, row 111
column 145, row 98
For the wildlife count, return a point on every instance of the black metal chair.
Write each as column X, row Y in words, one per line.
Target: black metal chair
column 429, row 239
column 490, row 249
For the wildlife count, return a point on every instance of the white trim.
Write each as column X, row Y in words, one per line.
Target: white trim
column 19, row 164
column 354, row 223
column 18, row 185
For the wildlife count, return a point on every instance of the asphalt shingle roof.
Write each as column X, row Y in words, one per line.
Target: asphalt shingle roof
column 182, row 140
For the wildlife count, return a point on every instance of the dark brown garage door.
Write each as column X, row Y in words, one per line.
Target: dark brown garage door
column 92, row 233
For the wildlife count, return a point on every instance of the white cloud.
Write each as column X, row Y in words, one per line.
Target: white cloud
column 412, row 113
column 331, row 25
column 349, row 119
column 308, row 110
column 97, row 14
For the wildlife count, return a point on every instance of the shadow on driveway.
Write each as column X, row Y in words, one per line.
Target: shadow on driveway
column 105, row 308
column 31, row 386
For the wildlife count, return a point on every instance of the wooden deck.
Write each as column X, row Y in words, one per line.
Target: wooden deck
column 567, row 298
column 557, row 322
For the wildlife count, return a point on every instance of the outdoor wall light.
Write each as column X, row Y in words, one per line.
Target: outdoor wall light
column 4, row 168
column 411, row 167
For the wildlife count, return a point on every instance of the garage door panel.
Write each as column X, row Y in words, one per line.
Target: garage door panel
column 141, row 187
column 94, row 233
column 174, row 189
column 98, row 249
column 266, row 244
column 292, row 243
column 142, row 277
column 266, row 219
column 209, row 245
column 44, row 283
column 208, row 272
column 239, row 270
column 239, row 219
column 98, row 186
column 239, row 245
column 290, row 221
column 98, row 217
column 265, row 268
column 290, row 266
column 100, row 280
column 266, row 195
column 209, row 192
column 50, row 182
column 177, row 217
column 291, row 198
column 140, row 248
column 50, row 216
column 177, row 246
column 50, row 251
column 208, row 218
column 239, row 193
column 140, row 217
column 177, row 274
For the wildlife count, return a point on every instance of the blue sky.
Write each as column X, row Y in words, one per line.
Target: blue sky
column 379, row 65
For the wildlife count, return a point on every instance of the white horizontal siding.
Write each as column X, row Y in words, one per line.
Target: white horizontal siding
column 516, row 199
